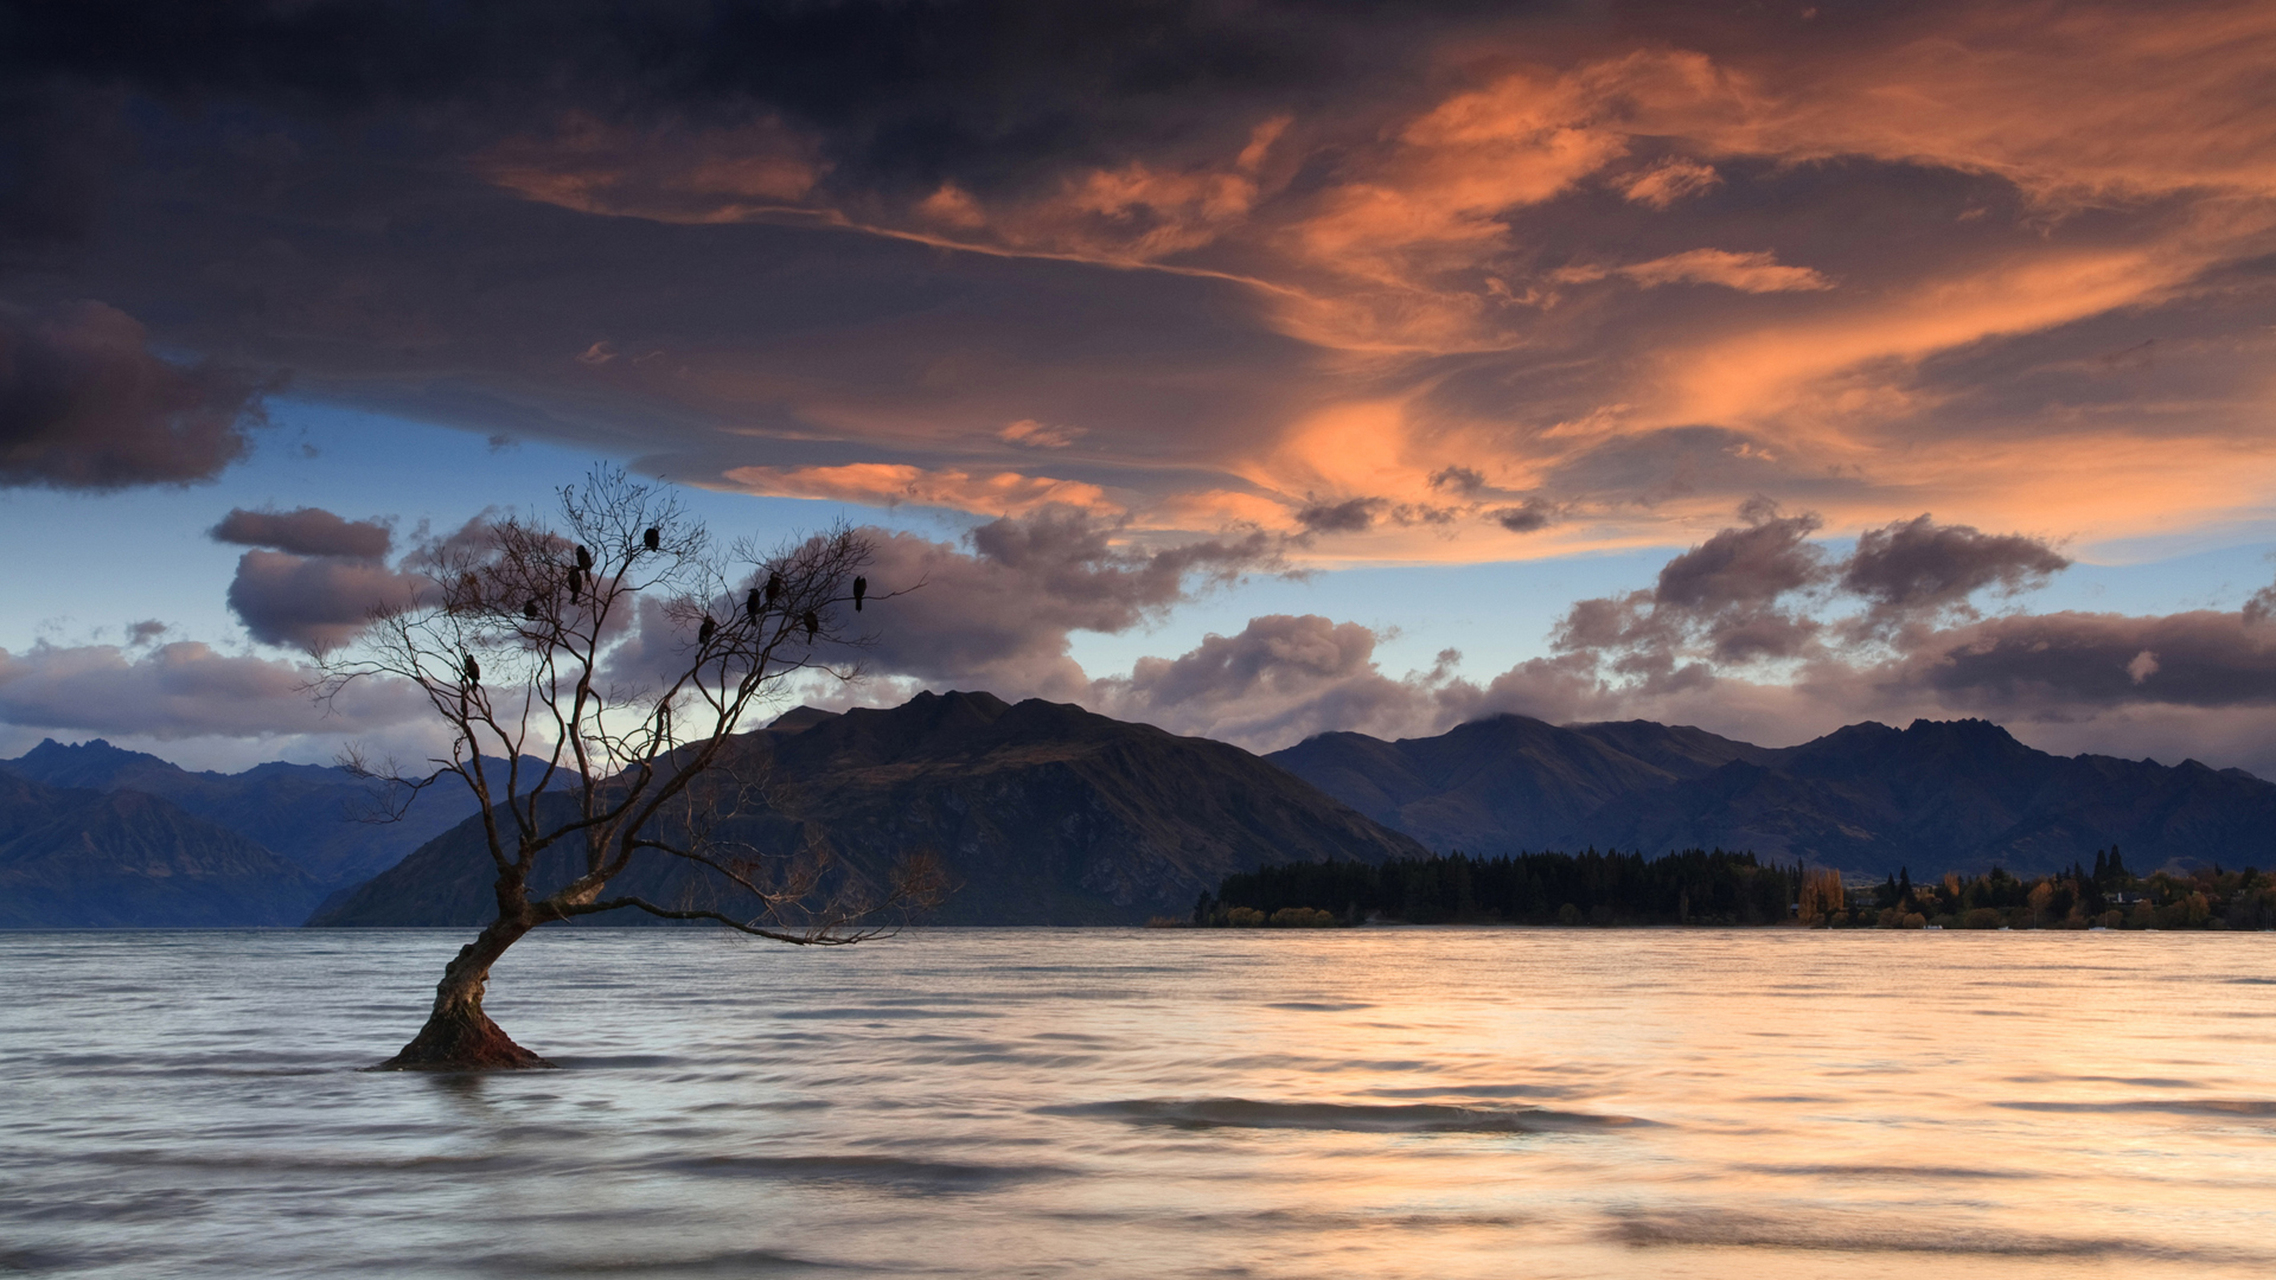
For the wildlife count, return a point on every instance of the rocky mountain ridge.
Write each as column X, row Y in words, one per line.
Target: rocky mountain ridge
column 1867, row 798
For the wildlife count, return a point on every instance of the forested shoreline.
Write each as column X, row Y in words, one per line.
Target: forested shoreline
column 1720, row 887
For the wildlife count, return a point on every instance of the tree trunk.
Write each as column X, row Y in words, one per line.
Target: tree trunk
column 458, row 1035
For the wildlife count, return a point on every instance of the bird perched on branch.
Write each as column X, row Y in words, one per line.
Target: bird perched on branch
column 652, row 539
column 774, row 588
column 813, row 624
column 751, row 605
column 576, row 581
column 473, row 670
column 861, row 588
column 703, row 633
column 529, row 610
column 584, row 557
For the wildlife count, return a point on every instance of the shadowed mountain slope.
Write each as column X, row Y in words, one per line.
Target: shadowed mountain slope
column 315, row 817
column 1041, row 813
column 1488, row 787
column 1957, row 795
column 82, row 858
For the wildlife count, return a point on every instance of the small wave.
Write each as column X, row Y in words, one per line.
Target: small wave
column 2138, row 1082
column 2175, row 1106
column 870, row 1011
column 617, row 1061
column 740, row 1262
column 1925, row 1172
column 929, row 1175
column 1320, row 1006
column 1244, row 1113
column 1478, row 1091
column 1729, row 1230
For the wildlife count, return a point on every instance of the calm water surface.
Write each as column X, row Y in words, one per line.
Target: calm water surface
column 1381, row 1103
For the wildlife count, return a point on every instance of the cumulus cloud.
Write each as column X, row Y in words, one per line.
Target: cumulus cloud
column 1918, row 568
column 998, row 610
column 185, row 690
column 309, row 531
column 319, row 585
column 312, row 602
column 1280, row 679
column 2078, row 663
column 995, row 610
column 1724, row 600
column 84, row 404
column 1691, row 651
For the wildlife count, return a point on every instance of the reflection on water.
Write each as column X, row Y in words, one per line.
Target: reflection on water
column 1440, row 1103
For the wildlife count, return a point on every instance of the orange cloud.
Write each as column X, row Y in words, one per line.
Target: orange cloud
column 1429, row 248
column 1028, row 433
column 880, row 484
column 1757, row 272
column 1662, row 185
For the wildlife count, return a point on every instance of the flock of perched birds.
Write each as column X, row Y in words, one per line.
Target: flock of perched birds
column 755, row 602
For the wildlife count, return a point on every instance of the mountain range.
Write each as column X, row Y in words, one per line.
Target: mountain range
column 1041, row 813
column 1935, row 796
column 76, row 858
column 95, row 836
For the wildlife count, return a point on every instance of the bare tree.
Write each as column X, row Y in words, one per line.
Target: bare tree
column 513, row 638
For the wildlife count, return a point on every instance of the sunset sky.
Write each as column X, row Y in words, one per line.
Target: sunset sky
column 1249, row 369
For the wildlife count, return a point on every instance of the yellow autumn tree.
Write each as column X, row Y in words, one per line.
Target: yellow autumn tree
column 1822, row 894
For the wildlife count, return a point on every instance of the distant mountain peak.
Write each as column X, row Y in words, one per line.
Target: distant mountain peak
column 93, row 763
column 799, row 719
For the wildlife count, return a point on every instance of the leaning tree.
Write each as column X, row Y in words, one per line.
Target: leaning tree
column 590, row 677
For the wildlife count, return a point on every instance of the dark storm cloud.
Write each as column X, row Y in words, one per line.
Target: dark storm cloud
column 708, row 236
column 913, row 92
column 309, row 531
column 84, row 404
column 59, row 143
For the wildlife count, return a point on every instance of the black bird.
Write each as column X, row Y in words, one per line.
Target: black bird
column 774, row 588
column 813, row 624
column 576, row 582
column 473, row 670
column 751, row 604
column 584, row 557
column 529, row 611
column 861, row 588
column 703, row 633
column 652, row 539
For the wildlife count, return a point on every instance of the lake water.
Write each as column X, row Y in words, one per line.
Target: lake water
column 1378, row 1103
